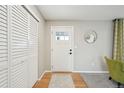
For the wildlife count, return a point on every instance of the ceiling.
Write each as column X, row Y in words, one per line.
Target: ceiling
column 81, row 12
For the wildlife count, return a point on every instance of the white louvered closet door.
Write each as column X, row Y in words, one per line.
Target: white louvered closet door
column 3, row 46
column 33, row 51
column 19, row 47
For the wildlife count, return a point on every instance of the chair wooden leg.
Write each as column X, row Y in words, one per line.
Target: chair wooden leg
column 119, row 84
column 110, row 78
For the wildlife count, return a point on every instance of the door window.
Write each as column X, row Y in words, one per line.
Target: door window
column 62, row 36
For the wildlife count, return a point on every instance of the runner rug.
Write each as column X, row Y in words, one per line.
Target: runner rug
column 61, row 81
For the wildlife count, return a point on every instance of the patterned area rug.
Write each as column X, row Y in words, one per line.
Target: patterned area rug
column 61, row 81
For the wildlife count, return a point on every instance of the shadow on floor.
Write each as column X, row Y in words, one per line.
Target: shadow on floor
column 99, row 80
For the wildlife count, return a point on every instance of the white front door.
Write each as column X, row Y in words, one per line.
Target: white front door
column 62, row 48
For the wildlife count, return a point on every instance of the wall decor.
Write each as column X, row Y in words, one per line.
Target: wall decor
column 90, row 37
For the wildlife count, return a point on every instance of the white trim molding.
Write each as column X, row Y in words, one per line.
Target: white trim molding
column 43, row 74
column 91, row 71
column 75, row 72
column 30, row 11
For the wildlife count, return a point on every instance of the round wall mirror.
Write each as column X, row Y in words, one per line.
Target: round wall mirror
column 90, row 37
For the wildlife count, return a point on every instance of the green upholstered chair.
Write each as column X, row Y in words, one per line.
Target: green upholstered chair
column 116, row 70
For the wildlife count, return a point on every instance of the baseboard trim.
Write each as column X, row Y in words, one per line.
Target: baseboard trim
column 75, row 72
column 91, row 71
column 43, row 74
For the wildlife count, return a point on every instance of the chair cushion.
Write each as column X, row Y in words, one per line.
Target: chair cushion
column 123, row 67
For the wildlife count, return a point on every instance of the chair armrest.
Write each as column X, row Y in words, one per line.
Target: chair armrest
column 112, row 62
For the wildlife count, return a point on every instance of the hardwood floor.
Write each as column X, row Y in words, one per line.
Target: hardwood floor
column 44, row 82
column 78, row 81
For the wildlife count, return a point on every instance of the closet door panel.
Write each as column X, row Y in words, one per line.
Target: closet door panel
column 33, row 51
column 19, row 46
column 3, row 46
column 3, row 77
column 18, row 75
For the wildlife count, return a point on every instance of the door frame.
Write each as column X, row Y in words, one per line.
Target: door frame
column 51, row 50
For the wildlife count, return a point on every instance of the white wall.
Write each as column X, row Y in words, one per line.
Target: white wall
column 41, row 30
column 87, row 57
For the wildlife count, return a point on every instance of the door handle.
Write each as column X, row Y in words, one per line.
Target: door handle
column 70, row 49
column 70, row 53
